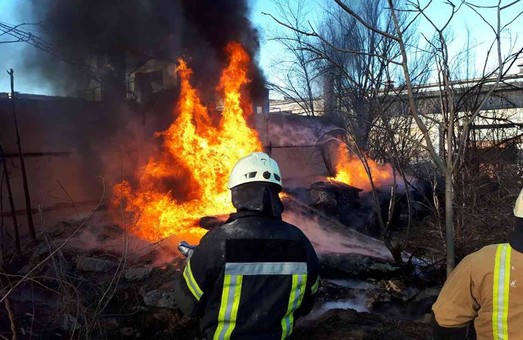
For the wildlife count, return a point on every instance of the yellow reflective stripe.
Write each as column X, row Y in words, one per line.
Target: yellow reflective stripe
column 314, row 287
column 223, row 308
column 235, row 305
column 191, row 282
column 231, row 293
column 299, row 282
column 500, row 292
column 506, row 292
column 495, row 291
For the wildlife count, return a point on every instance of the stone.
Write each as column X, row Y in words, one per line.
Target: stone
column 137, row 274
column 92, row 264
column 159, row 298
column 70, row 323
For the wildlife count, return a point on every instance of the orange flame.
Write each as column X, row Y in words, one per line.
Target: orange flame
column 350, row 170
column 196, row 159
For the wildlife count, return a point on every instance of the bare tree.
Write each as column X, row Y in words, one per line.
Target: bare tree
column 358, row 68
column 298, row 70
column 456, row 124
column 345, row 56
column 444, row 113
column 349, row 52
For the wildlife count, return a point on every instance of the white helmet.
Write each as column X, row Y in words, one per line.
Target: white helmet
column 518, row 207
column 256, row 167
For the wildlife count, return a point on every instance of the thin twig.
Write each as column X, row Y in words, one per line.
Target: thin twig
column 70, row 198
column 58, row 248
column 11, row 318
column 108, row 294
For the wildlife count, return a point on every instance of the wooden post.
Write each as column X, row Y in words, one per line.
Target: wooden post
column 22, row 162
column 11, row 201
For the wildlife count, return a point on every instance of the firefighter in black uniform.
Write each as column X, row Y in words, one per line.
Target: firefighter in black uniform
column 253, row 276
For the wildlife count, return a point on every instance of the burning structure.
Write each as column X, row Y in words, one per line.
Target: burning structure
column 104, row 42
column 182, row 177
column 196, row 157
column 183, row 171
column 186, row 178
column 168, row 156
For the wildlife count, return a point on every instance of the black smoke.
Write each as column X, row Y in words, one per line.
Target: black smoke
column 210, row 26
column 105, row 39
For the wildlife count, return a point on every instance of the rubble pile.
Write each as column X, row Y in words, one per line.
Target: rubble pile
column 64, row 289
column 104, row 283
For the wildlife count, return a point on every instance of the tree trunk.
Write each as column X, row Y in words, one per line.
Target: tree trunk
column 449, row 223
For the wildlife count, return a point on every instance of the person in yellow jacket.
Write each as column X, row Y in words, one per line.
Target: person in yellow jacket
column 485, row 288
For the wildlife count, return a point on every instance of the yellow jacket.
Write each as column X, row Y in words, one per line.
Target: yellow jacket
column 487, row 288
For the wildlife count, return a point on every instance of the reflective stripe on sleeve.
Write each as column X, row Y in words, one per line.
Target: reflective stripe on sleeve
column 299, row 281
column 191, row 282
column 232, row 288
column 314, row 288
column 500, row 292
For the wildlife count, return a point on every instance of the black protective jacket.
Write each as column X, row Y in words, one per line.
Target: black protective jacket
column 249, row 279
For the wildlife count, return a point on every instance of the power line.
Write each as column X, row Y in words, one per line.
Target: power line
column 42, row 44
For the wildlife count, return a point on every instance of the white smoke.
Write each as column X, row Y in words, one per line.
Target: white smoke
column 289, row 130
column 330, row 236
column 358, row 304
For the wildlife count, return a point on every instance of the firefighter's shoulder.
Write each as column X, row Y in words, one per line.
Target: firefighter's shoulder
column 488, row 252
column 481, row 262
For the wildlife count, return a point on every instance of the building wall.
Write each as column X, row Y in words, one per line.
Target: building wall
column 69, row 145
column 73, row 147
column 300, row 145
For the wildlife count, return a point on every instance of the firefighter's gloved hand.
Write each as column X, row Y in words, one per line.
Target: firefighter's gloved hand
column 186, row 249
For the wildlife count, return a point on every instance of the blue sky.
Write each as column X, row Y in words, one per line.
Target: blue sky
column 14, row 12
column 18, row 11
column 465, row 23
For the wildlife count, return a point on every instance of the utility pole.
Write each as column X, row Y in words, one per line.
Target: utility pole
column 11, row 201
column 22, row 162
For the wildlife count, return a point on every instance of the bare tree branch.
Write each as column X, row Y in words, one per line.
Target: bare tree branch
column 364, row 23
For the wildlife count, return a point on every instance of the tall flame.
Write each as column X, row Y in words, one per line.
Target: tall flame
column 350, row 170
column 188, row 180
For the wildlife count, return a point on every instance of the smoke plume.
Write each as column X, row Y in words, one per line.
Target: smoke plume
column 99, row 42
column 100, row 37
